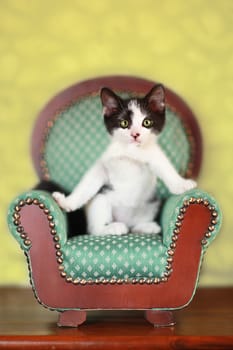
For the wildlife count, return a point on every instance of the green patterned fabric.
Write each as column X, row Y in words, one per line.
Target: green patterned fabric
column 120, row 257
column 78, row 137
column 171, row 210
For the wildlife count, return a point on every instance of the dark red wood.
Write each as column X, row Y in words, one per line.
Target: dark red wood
column 119, row 342
column 206, row 324
column 72, row 318
column 118, row 83
column 160, row 318
column 53, row 291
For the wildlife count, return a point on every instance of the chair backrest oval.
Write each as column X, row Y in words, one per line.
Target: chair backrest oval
column 69, row 134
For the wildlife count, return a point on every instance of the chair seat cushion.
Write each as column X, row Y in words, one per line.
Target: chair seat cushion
column 126, row 257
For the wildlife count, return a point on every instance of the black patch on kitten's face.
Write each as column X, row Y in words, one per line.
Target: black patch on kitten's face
column 116, row 109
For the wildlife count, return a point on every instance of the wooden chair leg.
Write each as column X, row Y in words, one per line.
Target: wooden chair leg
column 160, row 318
column 72, row 318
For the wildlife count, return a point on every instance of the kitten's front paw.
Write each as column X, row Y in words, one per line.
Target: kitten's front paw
column 183, row 186
column 147, row 228
column 115, row 228
column 61, row 200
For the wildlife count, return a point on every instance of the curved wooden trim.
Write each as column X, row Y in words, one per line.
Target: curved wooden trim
column 118, row 83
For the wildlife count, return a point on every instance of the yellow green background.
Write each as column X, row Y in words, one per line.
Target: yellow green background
column 46, row 45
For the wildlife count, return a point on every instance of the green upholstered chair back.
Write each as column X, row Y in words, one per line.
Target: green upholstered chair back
column 70, row 136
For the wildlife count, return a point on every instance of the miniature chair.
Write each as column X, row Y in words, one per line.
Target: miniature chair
column 72, row 274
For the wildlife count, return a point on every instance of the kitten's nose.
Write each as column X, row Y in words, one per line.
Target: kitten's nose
column 135, row 135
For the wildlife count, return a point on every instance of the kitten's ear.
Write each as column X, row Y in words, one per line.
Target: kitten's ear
column 156, row 98
column 110, row 101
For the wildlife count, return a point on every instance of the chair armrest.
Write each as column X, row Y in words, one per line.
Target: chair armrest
column 174, row 210
column 44, row 202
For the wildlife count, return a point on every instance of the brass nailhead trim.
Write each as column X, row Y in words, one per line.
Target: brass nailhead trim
column 23, row 235
column 173, row 245
column 113, row 281
column 83, row 282
column 76, row 281
column 171, row 252
column 208, row 234
column 204, row 241
column 16, row 220
column 20, row 229
column 90, row 282
column 176, row 231
column 16, row 215
column 29, row 201
column 69, row 279
column 178, row 224
column 141, row 281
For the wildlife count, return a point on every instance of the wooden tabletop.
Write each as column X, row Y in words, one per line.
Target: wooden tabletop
column 207, row 323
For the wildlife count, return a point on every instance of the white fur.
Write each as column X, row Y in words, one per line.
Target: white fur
column 130, row 166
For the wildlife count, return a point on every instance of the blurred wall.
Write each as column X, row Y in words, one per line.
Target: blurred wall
column 48, row 45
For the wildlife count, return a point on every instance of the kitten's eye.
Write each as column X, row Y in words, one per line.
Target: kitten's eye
column 147, row 123
column 124, row 123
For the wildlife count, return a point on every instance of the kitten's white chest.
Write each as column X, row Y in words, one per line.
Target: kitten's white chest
column 132, row 181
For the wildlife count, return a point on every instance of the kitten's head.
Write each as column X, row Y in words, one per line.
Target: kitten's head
column 136, row 120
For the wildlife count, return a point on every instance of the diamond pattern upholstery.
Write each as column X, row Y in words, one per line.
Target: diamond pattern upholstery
column 126, row 257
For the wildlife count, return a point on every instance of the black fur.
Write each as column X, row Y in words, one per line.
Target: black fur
column 77, row 224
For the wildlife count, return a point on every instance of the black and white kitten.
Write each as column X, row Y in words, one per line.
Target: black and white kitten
column 119, row 190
